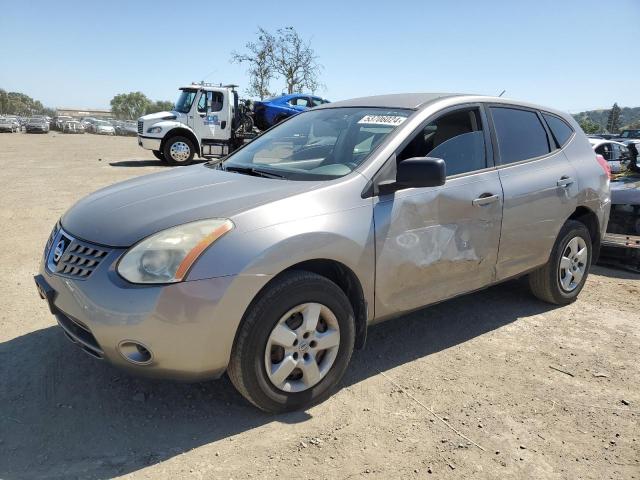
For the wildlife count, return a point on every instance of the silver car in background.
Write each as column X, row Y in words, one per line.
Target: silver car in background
column 272, row 264
column 102, row 127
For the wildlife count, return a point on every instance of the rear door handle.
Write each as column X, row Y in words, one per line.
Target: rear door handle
column 485, row 200
column 564, row 182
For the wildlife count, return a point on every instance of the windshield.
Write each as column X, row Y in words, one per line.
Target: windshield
column 185, row 100
column 630, row 134
column 319, row 144
column 102, row 123
column 37, row 120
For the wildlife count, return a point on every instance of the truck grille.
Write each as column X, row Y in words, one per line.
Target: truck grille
column 139, row 127
column 74, row 258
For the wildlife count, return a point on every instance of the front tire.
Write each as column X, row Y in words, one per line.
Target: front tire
column 294, row 343
column 178, row 151
column 158, row 154
column 562, row 278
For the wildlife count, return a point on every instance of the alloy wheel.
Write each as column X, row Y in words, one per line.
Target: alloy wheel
column 302, row 347
column 573, row 264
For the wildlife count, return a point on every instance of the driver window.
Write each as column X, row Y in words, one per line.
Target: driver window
column 212, row 98
column 605, row 151
column 456, row 137
column 300, row 102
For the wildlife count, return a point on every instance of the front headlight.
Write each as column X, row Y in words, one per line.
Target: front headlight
column 154, row 130
column 167, row 256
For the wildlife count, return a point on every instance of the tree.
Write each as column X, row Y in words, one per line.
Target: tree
column 16, row 103
column 588, row 125
column 613, row 120
column 295, row 60
column 259, row 58
column 284, row 55
column 130, row 105
column 159, row 106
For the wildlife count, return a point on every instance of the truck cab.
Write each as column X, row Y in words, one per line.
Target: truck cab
column 204, row 122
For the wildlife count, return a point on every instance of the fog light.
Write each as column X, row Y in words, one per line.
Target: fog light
column 135, row 352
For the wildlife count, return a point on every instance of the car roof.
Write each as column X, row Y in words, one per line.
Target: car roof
column 412, row 101
column 419, row 101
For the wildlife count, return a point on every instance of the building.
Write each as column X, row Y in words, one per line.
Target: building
column 84, row 112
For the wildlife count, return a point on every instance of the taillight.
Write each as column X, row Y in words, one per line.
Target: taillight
column 604, row 164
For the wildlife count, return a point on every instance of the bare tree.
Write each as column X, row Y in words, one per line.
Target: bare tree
column 295, row 60
column 258, row 56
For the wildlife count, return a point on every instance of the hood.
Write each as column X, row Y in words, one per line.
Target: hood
column 160, row 116
column 124, row 213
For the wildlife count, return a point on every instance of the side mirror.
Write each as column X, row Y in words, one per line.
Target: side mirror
column 416, row 172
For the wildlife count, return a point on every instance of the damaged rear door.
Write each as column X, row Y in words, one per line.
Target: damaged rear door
column 438, row 242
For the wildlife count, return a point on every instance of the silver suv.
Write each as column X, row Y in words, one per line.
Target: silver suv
column 271, row 264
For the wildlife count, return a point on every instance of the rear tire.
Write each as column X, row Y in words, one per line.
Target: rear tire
column 562, row 278
column 178, row 151
column 317, row 365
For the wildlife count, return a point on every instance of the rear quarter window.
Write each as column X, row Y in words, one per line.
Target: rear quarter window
column 559, row 129
column 520, row 134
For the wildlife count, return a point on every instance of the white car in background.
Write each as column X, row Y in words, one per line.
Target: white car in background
column 616, row 154
column 6, row 125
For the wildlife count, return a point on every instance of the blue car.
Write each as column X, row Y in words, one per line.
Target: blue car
column 273, row 110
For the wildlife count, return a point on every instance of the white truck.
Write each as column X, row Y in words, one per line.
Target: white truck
column 207, row 120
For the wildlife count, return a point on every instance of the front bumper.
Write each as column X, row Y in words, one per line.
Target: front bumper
column 149, row 143
column 188, row 327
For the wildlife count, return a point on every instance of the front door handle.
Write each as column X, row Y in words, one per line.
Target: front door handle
column 485, row 199
column 564, row 182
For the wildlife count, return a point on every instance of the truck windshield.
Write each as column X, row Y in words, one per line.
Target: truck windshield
column 185, row 100
column 318, row 144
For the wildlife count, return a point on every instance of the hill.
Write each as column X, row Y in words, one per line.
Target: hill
column 628, row 117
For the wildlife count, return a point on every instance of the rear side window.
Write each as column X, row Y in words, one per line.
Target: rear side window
column 560, row 130
column 520, row 134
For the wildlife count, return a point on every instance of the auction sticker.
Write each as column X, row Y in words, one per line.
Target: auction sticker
column 391, row 120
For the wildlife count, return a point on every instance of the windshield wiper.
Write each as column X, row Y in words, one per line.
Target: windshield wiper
column 256, row 172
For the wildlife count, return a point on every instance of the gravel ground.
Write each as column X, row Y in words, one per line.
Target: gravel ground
column 492, row 385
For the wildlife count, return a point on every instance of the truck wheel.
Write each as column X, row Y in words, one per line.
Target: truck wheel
column 158, row 154
column 178, row 151
column 561, row 279
column 294, row 343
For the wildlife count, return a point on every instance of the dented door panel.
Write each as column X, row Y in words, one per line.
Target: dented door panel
column 434, row 243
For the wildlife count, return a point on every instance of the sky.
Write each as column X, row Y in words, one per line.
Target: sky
column 571, row 55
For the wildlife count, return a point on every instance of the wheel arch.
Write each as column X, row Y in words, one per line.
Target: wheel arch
column 181, row 132
column 341, row 275
column 589, row 219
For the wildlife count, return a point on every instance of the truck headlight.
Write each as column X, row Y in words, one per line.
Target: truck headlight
column 167, row 256
column 154, row 130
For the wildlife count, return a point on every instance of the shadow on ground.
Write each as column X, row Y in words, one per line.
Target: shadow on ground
column 146, row 163
column 65, row 415
column 139, row 163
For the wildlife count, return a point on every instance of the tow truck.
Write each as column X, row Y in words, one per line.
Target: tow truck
column 208, row 120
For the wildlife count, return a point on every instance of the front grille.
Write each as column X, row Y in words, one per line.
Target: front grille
column 140, row 127
column 74, row 258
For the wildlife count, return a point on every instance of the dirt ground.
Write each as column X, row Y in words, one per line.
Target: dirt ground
column 492, row 385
